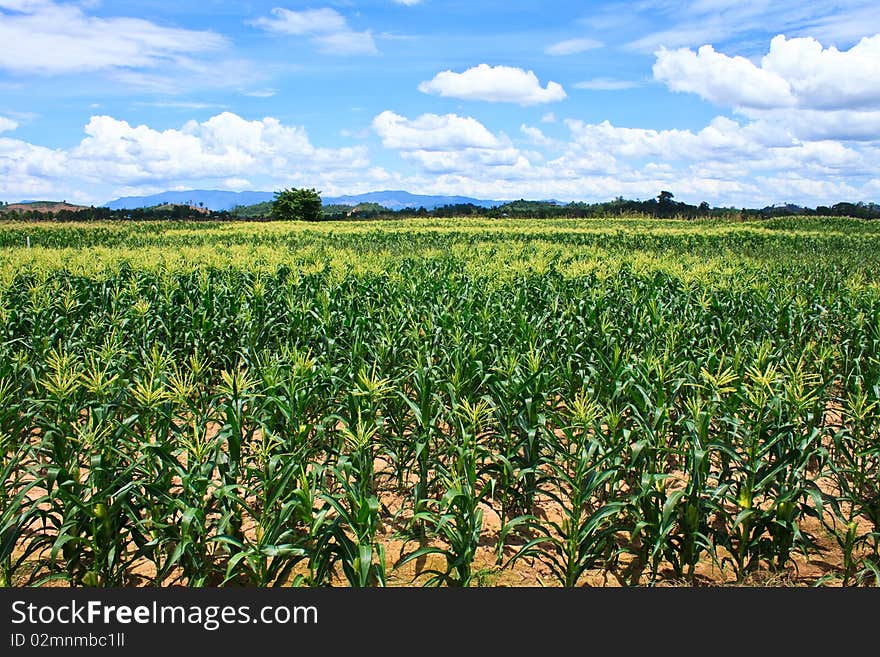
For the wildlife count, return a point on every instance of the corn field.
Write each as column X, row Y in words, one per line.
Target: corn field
column 440, row 403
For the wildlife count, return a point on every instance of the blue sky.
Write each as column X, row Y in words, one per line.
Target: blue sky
column 734, row 103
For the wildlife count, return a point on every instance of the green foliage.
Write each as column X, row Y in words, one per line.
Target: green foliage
column 295, row 204
column 207, row 404
column 257, row 210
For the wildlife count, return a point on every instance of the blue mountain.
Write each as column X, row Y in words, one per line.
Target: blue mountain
column 395, row 200
column 221, row 200
column 211, row 199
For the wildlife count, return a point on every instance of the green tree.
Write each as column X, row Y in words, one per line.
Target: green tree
column 297, row 205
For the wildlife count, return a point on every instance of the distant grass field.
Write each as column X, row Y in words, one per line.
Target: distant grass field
column 447, row 402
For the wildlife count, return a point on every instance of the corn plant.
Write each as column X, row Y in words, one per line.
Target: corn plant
column 582, row 481
column 19, row 508
column 426, row 410
column 856, row 469
column 269, row 556
column 356, row 522
column 456, row 518
column 178, row 406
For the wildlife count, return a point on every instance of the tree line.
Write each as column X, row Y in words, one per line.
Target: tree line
column 295, row 204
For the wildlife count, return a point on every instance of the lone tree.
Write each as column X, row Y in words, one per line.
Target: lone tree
column 297, row 205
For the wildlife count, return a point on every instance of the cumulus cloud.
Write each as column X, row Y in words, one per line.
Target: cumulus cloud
column 795, row 72
column 799, row 87
column 721, row 137
column 504, row 84
column 536, row 136
column 573, row 46
column 433, row 132
column 448, row 143
column 724, row 147
column 28, row 171
column 729, row 162
column 827, row 78
column 721, row 79
column 7, row 124
column 327, row 29
column 726, row 162
column 225, row 150
column 221, row 147
column 814, row 125
column 47, row 38
column 237, row 184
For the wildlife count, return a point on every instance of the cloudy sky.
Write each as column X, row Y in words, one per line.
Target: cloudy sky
column 736, row 103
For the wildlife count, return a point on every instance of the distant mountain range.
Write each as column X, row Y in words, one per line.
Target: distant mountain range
column 218, row 200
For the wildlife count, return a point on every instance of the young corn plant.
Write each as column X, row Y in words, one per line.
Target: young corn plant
column 581, row 482
column 268, row 554
column 426, row 409
column 521, row 397
column 95, row 514
column 20, row 516
column 356, row 523
column 855, row 467
column 237, row 396
column 701, row 499
column 770, row 490
column 182, row 522
column 650, row 514
column 456, row 518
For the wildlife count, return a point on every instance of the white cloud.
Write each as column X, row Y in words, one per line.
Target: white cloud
column 237, row 184
column 573, row 46
column 432, row 132
column 723, row 80
column 536, row 136
column 724, row 146
column 346, row 43
column 24, row 5
column 798, row 88
column 827, row 78
column 845, row 25
column 549, row 117
column 7, row 124
column 446, row 144
column 261, row 93
column 726, row 162
column 795, row 73
column 813, row 125
column 494, row 84
column 764, row 156
column 327, row 29
column 408, row 3
column 188, row 75
column 48, row 38
column 605, row 84
column 308, row 22
column 226, row 151
column 29, row 171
